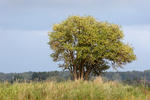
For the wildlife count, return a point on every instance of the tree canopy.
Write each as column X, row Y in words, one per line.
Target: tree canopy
column 86, row 45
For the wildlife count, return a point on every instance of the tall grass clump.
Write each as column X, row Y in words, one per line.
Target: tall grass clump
column 70, row 90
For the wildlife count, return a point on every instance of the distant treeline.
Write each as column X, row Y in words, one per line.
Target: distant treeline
column 35, row 76
column 129, row 77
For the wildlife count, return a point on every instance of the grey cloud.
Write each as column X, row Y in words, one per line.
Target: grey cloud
column 138, row 37
column 25, row 51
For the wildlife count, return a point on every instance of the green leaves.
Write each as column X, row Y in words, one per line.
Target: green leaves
column 83, row 38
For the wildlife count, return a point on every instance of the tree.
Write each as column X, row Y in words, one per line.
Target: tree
column 86, row 45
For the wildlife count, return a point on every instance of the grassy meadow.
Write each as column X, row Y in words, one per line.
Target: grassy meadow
column 70, row 90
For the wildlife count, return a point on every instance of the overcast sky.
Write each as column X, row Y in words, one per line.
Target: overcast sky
column 24, row 25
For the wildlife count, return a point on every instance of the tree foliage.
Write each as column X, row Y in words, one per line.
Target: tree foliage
column 86, row 45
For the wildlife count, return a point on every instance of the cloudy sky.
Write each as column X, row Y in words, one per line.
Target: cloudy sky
column 24, row 25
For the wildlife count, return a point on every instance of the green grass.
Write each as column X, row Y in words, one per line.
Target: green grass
column 79, row 90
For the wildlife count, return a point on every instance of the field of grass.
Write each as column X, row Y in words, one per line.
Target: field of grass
column 79, row 90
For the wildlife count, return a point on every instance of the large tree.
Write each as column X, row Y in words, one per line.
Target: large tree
column 86, row 45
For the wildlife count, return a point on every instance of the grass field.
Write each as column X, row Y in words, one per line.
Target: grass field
column 79, row 90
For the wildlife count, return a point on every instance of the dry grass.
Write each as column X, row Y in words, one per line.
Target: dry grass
column 80, row 90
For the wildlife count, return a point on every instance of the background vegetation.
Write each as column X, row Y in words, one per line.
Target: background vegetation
column 131, row 78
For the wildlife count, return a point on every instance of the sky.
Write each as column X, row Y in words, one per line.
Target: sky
column 24, row 27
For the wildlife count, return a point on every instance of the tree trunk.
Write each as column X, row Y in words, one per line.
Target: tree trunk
column 82, row 73
column 75, row 75
column 82, row 70
column 87, row 74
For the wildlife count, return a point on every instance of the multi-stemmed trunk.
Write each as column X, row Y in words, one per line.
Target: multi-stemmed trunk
column 80, row 73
